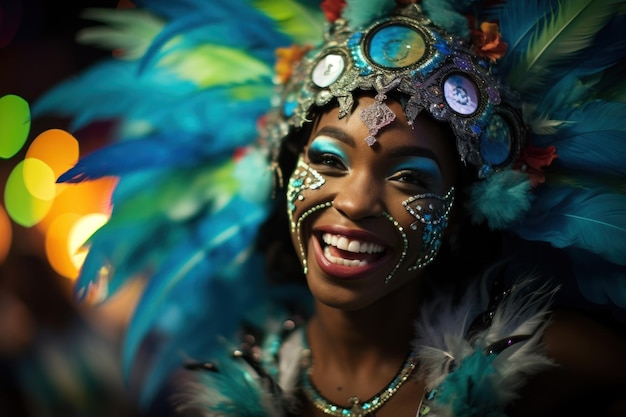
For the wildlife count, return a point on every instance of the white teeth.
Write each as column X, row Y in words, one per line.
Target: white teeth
column 341, row 261
column 354, row 246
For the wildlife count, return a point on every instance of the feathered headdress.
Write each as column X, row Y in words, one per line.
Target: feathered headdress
column 190, row 81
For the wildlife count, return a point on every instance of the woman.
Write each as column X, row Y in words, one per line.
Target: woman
column 394, row 133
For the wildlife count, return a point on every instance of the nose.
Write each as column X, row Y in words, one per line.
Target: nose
column 359, row 198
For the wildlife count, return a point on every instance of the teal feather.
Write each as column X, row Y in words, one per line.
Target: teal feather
column 471, row 389
column 593, row 139
column 190, row 278
column 568, row 217
column 240, row 394
column 518, row 21
column 449, row 15
column 600, row 281
column 500, row 199
column 558, row 41
column 360, row 14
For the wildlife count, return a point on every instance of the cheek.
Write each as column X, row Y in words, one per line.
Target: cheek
column 305, row 197
column 425, row 220
column 304, row 190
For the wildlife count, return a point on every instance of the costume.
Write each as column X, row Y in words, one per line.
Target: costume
column 194, row 188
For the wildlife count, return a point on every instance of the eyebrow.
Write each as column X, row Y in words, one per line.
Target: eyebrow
column 335, row 133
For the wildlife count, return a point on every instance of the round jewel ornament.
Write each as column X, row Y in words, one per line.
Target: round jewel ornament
column 430, row 69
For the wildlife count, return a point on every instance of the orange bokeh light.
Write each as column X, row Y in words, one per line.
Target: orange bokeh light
column 6, row 234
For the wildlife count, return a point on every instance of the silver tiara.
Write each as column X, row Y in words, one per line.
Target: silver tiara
column 431, row 69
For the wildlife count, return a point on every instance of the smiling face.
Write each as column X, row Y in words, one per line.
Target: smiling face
column 360, row 213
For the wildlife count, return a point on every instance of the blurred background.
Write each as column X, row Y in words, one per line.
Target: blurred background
column 57, row 358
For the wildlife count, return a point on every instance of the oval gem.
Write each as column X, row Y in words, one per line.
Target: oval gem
column 328, row 70
column 461, row 94
column 396, row 46
column 495, row 142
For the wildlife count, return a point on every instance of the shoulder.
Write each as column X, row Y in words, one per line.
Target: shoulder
column 587, row 346
column 589, row 376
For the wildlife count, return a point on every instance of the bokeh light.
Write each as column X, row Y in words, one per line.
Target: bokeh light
column 6, row 234
column 65, row 214
column 57, row 147
column 14, row 124
column 56, row 243
column 39, row 179
column 81, row 230
column 24, row 208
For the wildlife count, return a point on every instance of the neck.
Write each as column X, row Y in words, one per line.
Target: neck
column 378, row 334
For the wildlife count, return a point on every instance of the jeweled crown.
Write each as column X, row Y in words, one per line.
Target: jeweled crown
column 434, row 70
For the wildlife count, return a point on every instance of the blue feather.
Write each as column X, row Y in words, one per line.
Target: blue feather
column 601, row 282
column 578, row 218
column 561, row 39
column 131, row 156
column 608, row 48
column 123, row 93
column 518, row 21
column 449, row 15
column 156, row 100
column 220, row 242
column 259, row 39
column 360, row 14
column 592, row 138
column 471, row 388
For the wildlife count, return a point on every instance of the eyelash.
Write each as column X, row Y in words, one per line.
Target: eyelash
column 418, row 178
column 326, row 159
column 410, row 177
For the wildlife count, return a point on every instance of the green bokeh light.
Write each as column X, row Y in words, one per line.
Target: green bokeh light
column 24, row 208
column 14, row 124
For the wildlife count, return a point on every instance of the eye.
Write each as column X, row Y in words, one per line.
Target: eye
column 327, row 159
column 415, row 178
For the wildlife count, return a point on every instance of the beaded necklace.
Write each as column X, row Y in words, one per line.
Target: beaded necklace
column 358, row 408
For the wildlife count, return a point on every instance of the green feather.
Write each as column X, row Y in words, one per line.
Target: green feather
column 559, row 37
column 129, row 30
column 214, row 65
column 298, row 21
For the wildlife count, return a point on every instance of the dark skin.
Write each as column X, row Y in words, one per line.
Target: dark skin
column 361, row 330
column 357, row 349
column 590, row 373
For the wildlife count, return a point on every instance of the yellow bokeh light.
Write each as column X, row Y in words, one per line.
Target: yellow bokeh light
column 83, row 198
column 80, row 232
column 57, row 148
column 39, row 179
column 65, row 239
column 57, row 248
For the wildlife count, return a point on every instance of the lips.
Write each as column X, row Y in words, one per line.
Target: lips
column 341, row 250
column 345, row 256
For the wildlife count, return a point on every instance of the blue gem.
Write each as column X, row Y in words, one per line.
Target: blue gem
column 396, row 46
column 495, row 141
column 289, row 108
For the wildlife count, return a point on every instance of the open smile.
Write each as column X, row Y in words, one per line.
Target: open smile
column 341, row 250
column 347, row 257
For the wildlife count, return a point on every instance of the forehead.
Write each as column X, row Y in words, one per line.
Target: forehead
column 424, row 133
